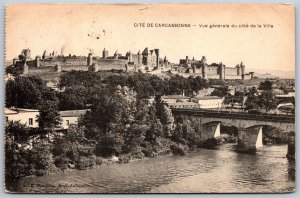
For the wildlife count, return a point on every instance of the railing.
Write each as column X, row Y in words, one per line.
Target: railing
column 234, row 115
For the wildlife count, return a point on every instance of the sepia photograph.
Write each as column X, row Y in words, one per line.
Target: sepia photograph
column 149, row 98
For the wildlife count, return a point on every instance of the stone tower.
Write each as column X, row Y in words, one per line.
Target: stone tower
column 222, row 71
column 38, row 61
column 157, row 56
column 25, row 68
column 204, row 67
column 94, row 67
column 58, row 67
column 116, row 55
column 242, row 70
column 140, row 57
column 187, row 59
column 145, row 55
column 238, row 70
column 104, row 54
column 90, row 59
column 15, row 61
column 130, row 57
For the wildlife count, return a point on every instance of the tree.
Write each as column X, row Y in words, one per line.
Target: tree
column 267, row 101
column 265, row 85
column 71, row 146
column 24, row 92
column 155, row 131
column 251, row 103
column 111, row 117
column 221, row 92
column 164, row 114
column 74, row 97
column 49, row 117
column 41, row 157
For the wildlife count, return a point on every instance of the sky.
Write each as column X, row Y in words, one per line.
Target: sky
column 80, row 29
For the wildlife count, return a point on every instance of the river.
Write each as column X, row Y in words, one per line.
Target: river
column 205, row 170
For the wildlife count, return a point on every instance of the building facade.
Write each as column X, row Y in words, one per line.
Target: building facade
column 24, row 116
column 208, row 102
column 71, row 117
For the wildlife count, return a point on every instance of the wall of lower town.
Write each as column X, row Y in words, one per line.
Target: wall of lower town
column 217, row 76
column 109, row 64
column 230, row 71
column 35, row 70
column 247, row 77
column 211, row 70
column 233, row 77
column 74, row 67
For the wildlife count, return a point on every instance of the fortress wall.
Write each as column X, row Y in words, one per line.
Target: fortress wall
column 247, row 77
column 211, row 70
column 135, row 59
column 62, row 62
column 233, row 77
column 230, row 71
column 198, row 71
column 47, row 63
column 73, row 63
column 74, row 67
column 109, row 64
column 213, row 76
column 35, row 70
column 31, row 63
column 19, row 64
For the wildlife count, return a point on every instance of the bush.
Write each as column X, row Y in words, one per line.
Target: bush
column 99, row 160
column 85, row 162
column 62, row 162
column 177, row 149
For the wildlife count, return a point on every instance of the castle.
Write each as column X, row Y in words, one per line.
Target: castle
column 213, row 71
column 148, row 60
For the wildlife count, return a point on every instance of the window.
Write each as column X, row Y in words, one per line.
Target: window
column 6, row 118
column 68, row 122
column 30, row 122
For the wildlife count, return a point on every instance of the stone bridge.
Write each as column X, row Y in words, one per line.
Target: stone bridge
column 249, row 125
column 240, row 120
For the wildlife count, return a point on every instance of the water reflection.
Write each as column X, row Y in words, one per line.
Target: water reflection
column 206, row 170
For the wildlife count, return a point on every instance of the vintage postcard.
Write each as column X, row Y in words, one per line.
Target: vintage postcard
column 150, row 98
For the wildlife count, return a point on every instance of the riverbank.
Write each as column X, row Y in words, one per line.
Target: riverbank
column 80, row 157
column 196, row 172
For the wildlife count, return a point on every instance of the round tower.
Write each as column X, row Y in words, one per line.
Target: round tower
column 25, row 68
column 252, row 75
column 38, row 61
column 90, row 59
column 104, row 54
column 140, row 57
column 203, row 60
column 157, row 56
column 242, row 70
column 204, row 69
column 58, row 68
column 238, row 70
column 222, row 71
column 130, row 57
column 94, row 67
column 15, row 61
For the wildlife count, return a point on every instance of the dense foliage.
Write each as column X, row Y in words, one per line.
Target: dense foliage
column 83, row 88
column 262, row 102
